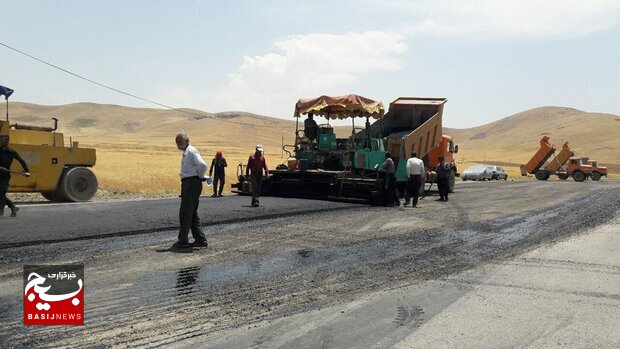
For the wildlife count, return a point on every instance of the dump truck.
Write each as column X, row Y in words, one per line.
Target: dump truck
column 563, row 165
column 414, row 124
column 556, row 165
column 345, row 169
column 58, row 172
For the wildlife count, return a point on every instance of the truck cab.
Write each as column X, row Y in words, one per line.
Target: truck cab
column 597, row 171
column 579, row 169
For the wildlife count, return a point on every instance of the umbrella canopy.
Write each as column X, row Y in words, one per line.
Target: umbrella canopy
column 6, row 92
column 340, row 107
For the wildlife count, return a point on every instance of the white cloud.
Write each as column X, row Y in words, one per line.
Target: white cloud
column 314, row 64
column 506, row 19
column 305, row 65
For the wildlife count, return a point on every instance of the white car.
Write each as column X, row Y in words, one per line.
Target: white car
column 497, row 173
column 477, row 173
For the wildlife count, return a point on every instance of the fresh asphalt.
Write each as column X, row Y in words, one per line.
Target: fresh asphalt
column 53, row 222
column 38, row 224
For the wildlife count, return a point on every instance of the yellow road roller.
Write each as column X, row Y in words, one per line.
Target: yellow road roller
column 58, row 172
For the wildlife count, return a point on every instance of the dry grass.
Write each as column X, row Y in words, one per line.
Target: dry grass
column 150, row 168
column 136, row 151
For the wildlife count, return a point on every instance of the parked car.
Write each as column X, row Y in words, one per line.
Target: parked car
column 476, row 173
column 497, row 173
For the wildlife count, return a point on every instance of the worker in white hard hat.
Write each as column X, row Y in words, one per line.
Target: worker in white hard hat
column 254, row 169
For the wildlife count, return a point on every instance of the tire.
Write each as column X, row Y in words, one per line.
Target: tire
column 596, row 176
column 53, row 196
column 451, row 181
column 401, row 187
column 78, row 184
column 506, row 178
column 563, row 176
column 542, row 175
column 579, row 176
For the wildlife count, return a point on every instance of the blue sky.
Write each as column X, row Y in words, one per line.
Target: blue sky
column 490, row 59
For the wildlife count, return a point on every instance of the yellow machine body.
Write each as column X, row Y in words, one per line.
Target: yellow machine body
column 47, row 157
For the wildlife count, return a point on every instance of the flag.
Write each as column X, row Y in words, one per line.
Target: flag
column 5, row 91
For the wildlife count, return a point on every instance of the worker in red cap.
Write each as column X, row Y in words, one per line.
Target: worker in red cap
column 256, row 165
column 218, row 166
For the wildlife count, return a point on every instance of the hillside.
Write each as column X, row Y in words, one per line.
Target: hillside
column 95, row 122
column 135, row 146
column 514, row 139
column 136, row 150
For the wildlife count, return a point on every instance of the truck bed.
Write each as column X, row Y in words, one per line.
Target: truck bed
column 412, row 124
column 538, row 160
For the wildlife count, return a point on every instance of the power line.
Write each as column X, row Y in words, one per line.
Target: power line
column 121, row 91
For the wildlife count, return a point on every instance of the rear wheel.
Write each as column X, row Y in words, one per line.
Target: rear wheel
column 451, row 180
column 563, row 176
column 596, row 176
column 401, row 187
column 542, row 175
column 579, row 176
column 423, row 185
column 78, row 184
column 53, row 196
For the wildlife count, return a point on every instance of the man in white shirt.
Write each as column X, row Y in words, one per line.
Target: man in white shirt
column 193, row 169
column 415, row 172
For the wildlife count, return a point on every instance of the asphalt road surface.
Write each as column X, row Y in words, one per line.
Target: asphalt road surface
column 502, row 264
column 37, row 224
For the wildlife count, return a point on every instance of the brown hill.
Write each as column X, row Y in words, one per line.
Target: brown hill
column 514, row 139
column 135, row 146
column 95, row 122
column 136, row 151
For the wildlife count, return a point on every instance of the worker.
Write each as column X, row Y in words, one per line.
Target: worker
column 193, row 169
column 390, row 170
column 443, row 173
column 311, row 129
column 218, row 165
column 256, row 165
column 7, row 155
column 415, row 172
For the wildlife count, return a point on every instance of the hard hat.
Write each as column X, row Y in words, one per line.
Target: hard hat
column 259, row 148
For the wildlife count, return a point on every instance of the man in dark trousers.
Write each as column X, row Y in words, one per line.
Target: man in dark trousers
column 415, row 172
column 193, row 169
column 254, row 169
column 390, row 170
column 7, row 155
column 218, row 166
column 443, row 173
